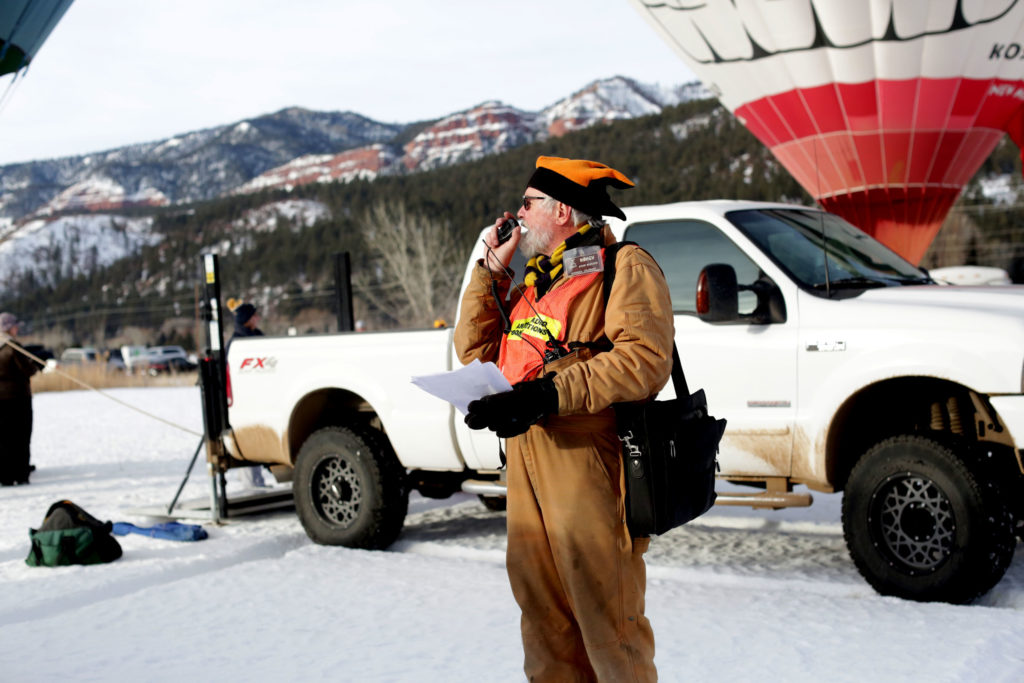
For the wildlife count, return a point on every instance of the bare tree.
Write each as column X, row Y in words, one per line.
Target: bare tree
column 416, row 265
column 953, row 244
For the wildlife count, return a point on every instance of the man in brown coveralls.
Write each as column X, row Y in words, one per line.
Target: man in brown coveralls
column 576, row 573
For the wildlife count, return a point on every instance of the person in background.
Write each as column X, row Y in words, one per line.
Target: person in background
column 15, row 406
column 247, row 319
column 575, row 570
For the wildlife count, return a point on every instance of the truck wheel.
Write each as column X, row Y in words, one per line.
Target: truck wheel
column 349, row 488
column 924, row 524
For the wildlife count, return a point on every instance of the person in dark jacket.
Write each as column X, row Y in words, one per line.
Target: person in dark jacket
column 15, row 405
column 246, row 320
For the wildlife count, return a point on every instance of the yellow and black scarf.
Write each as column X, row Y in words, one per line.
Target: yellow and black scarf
column 542, row 270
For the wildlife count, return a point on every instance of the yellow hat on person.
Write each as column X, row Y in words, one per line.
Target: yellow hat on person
column 580, row 183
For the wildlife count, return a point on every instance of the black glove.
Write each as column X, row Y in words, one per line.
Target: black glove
column 511, row 413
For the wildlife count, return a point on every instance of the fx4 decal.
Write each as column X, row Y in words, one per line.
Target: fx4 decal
column 251, row 364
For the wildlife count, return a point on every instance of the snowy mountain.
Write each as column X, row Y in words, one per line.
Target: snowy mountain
column 615, row 99
column 296, row 146
column 193, row 166
column 59, row 217
column 365, row 163
column 488, row 128
column 50, row 250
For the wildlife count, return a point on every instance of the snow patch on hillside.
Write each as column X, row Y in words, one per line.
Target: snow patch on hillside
column 301, row 213
column 615, row 99
column 1001, row 189
column 72, row 245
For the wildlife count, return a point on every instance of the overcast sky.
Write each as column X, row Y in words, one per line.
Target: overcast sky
column 116, row 72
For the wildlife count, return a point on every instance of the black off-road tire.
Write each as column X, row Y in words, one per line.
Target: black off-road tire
column 349, row 488
column 923, row 523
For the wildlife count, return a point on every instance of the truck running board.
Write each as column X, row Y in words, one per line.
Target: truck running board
column 245, row 503
column 775, row 500
column 484, row 488
column 773, row 497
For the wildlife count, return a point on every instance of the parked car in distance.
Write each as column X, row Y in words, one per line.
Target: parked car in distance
column 970, row 275
column 79, row 355
column 135, row 358
column 115, row 361
column 169, row 359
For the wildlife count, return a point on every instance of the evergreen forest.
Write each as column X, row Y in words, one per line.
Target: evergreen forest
column 695, row 150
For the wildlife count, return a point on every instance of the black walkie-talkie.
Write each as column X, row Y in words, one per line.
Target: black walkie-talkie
column 505, row 230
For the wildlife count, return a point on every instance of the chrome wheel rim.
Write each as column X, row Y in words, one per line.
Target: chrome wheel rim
column 337, row 491
column 912, row 518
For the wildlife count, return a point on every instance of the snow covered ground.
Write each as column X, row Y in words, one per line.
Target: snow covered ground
column 735, row 596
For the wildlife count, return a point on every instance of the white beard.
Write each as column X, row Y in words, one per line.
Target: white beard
column 533, row 242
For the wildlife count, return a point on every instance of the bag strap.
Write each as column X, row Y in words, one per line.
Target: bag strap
column 56, row 506
column 678, row 378
column 610, row 252
column 67, row 552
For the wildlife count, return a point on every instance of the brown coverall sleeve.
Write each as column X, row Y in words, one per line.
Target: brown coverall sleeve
column 479, row 330
column 638, row 321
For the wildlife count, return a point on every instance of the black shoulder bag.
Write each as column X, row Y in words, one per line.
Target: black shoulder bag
column 669, row 449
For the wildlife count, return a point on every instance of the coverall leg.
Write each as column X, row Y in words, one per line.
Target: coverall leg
column 577, row 575
column 16, row 430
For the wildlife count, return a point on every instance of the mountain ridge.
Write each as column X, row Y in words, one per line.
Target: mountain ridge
column 221, row 160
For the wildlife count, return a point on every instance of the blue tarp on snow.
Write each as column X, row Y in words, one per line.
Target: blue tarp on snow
column 174, row 531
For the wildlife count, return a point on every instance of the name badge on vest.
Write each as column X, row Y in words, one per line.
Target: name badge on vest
column 582, row 261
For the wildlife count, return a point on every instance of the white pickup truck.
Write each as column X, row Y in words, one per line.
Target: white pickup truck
column 838, row 365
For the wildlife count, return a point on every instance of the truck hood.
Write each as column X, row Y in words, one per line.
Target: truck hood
column 999, row 300
column 977, row 311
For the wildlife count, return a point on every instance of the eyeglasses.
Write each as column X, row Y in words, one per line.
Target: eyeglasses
column 527, row 199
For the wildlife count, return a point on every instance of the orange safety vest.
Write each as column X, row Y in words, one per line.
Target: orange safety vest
column 522, row 350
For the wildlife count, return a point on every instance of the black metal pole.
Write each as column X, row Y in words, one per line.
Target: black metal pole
column 174, row 501
column 213, row 382
column 343, row 291
column 216, row 398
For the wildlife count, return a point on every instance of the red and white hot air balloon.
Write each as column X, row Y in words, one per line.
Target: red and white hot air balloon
column 881, row 109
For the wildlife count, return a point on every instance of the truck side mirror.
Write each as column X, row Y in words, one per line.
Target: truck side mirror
column 718, row 299
column 771, row 307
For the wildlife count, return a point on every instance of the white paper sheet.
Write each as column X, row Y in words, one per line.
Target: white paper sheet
column 466, row 384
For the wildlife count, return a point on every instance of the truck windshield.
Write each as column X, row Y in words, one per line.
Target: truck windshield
column 793, row 238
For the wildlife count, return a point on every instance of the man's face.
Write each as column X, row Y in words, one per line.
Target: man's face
column 538, row 216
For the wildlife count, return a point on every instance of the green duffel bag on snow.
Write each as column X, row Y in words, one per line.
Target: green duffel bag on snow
column 70, row 535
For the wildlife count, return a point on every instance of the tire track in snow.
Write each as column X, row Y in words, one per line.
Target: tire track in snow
column 149, row 570
column 746, row 553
